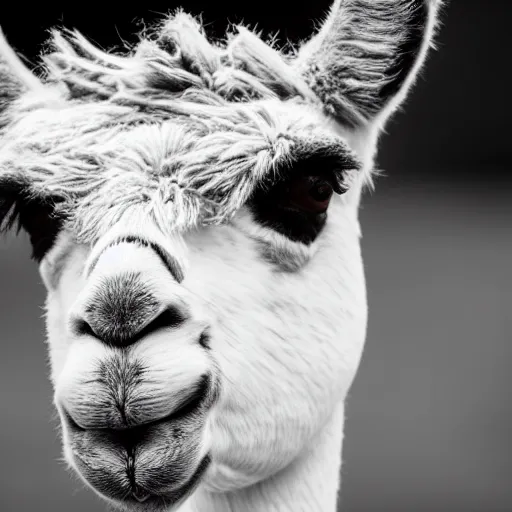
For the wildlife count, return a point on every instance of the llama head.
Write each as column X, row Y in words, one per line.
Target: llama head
column 193, row 210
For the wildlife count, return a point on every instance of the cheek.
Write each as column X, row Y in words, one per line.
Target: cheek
column 269, row 320
column 288, row 343
column 58, row 304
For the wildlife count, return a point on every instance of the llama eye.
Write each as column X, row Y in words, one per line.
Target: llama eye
column 296, row 207
column 310, row 194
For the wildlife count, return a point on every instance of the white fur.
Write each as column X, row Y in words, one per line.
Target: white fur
column 298, row 350
column 287, row 322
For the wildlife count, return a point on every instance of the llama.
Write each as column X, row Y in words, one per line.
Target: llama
column 193, row 209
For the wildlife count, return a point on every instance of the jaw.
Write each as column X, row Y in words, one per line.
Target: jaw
column 310, row 482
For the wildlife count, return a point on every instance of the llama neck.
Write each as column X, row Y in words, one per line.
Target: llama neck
column 309, row 484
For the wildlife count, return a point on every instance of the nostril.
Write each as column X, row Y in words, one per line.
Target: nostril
column 170, row 317
column 120, row 331
column 82, row 328
column 122, row 308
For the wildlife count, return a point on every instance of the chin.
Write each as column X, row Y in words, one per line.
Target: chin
column 152, row 467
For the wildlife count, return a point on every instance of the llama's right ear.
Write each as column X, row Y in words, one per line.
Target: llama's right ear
column 18, row 205
column 366, row 55
column 15, row 79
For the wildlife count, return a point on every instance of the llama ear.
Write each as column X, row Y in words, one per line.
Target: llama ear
column 18, row 205
column 15, row 78
column 366, row 55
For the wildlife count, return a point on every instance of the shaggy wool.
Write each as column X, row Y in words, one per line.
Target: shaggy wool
column 178, row 129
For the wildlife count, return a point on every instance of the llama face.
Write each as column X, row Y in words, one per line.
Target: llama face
column 170, row 336
column 231, row 352
column 194, row 213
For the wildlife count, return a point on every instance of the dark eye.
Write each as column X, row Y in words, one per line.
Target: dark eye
column 295, row 207
column 309, row 194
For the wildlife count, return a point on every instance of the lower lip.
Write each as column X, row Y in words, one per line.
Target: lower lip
column 178, row 494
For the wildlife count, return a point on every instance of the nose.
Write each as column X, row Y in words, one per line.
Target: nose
column 122, row 309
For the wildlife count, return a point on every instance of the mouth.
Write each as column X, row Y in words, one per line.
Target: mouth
column 151, row 467
column 139, row 498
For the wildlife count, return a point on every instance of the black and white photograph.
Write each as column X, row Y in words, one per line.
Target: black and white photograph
column 255, row 256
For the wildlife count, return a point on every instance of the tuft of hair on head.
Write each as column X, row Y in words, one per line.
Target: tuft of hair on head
column 173, row 58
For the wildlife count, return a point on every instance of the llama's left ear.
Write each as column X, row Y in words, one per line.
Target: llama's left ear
column 366, row 56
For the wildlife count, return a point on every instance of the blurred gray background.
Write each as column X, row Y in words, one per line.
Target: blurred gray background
column 428, row 417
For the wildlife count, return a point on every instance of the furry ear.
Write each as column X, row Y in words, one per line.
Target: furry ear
column 15, row 78
column 366, row 55
column 18, row 206
column 36, row 215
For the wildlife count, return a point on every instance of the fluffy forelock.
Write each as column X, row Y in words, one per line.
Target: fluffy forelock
column 178, row 129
